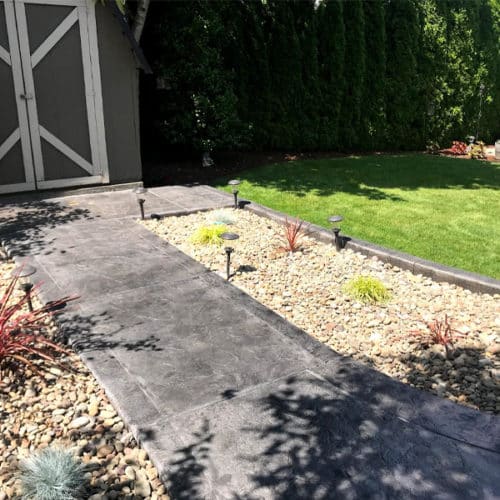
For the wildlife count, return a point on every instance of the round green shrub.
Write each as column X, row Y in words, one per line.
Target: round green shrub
column 367, row 289
column 208, row 235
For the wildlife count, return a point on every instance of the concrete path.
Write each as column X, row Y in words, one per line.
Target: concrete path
column 230, row 400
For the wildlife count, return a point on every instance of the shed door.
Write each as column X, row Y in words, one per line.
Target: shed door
column 59, row 91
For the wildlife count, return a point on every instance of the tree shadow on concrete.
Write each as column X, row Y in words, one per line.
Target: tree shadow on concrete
column 24, row 224
column 188, row 465
column 369, row 177
column 314, row 442
column 321, row 446
column 101, row 332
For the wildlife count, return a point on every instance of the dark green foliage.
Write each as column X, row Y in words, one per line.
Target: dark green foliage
column 354, row 74
column 374, row 120
column 328, row 75
column 403, row 83
column 331, row 38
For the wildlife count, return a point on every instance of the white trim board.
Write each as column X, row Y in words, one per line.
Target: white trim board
column 5, row 56
column 65, row 150
column 47, row 45
column 9, row 143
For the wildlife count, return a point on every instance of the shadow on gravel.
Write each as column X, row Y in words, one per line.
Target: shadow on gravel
column 26, row 222
column 466, row 375
column 307, row 440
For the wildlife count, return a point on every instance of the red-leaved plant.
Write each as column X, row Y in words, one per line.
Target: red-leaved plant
column 22, row 332
column 458, row 148
column 293, row 233
column 440, row 332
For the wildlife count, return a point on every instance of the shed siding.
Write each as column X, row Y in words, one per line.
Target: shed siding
column 119, row 75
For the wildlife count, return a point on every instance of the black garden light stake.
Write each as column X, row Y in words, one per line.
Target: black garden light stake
column 139, row 193
column 23, row 273
column 229, row 251
column 235, row 182
column 336, row 231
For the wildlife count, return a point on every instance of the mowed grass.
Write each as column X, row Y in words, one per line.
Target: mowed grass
column 443, row 209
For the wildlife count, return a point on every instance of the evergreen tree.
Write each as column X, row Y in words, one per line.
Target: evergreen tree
column 403, row 82
column 331, row 36
column 308, row 35
column 354, row 71
column 374, row 134
column 287, row 88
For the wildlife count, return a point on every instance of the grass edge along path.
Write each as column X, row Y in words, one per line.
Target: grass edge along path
column 446, row 210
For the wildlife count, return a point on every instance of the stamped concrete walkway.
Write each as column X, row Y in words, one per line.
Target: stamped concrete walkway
column 230, row 400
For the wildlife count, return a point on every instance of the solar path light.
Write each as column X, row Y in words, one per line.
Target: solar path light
column 139, row 193
column 337, row 240
column 229, row 251
column 234, row 183
column 23, row 273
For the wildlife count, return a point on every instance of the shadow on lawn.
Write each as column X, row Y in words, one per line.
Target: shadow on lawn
column 319, row 443
column 26, row 222
column 369, row 176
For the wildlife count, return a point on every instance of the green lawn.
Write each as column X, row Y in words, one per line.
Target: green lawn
column 443, row 209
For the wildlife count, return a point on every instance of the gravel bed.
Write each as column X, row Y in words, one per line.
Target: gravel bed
column 306, row 288
column 70, row 410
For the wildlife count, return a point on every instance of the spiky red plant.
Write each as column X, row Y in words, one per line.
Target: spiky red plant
column 293, row 233
column 21, row 331
column 458, row 148
column 441, row 332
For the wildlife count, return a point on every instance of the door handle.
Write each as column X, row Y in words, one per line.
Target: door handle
column 26, row 96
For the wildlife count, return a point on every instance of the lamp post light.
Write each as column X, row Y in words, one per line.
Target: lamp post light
column 139, row 193
column 229, row 251
column 235, row 182
column 23, row 273
column 334, row 219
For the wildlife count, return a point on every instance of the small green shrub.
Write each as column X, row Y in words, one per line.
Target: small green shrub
column 221, row 217
column 52, row 474
column 367, row 289
column 208, row 235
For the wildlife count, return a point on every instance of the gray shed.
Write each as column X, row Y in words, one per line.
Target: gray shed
column 69, row 111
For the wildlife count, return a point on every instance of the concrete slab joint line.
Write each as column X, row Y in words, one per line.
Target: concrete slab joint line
column 228, row 398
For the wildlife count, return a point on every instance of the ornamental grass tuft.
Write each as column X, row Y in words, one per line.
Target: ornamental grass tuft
column 221, row 217
column 367, row 289
column 208, row 235
column 52, row 474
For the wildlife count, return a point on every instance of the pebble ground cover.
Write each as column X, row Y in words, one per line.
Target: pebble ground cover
column 308, row 288
column 67, row 408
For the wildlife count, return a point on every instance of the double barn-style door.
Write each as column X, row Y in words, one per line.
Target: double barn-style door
column 51, row 118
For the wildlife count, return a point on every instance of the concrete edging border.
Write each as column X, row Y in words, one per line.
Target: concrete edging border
column 438, row 272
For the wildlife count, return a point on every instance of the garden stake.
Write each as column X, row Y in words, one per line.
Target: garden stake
column 23, row 273
column 26, row 288
column 141, row 206
column 139, row 193
column 229, row 251
column 337, row 240
column 235, row 182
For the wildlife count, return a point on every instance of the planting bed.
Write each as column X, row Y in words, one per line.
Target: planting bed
column 68, row 409
column 307, row 288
